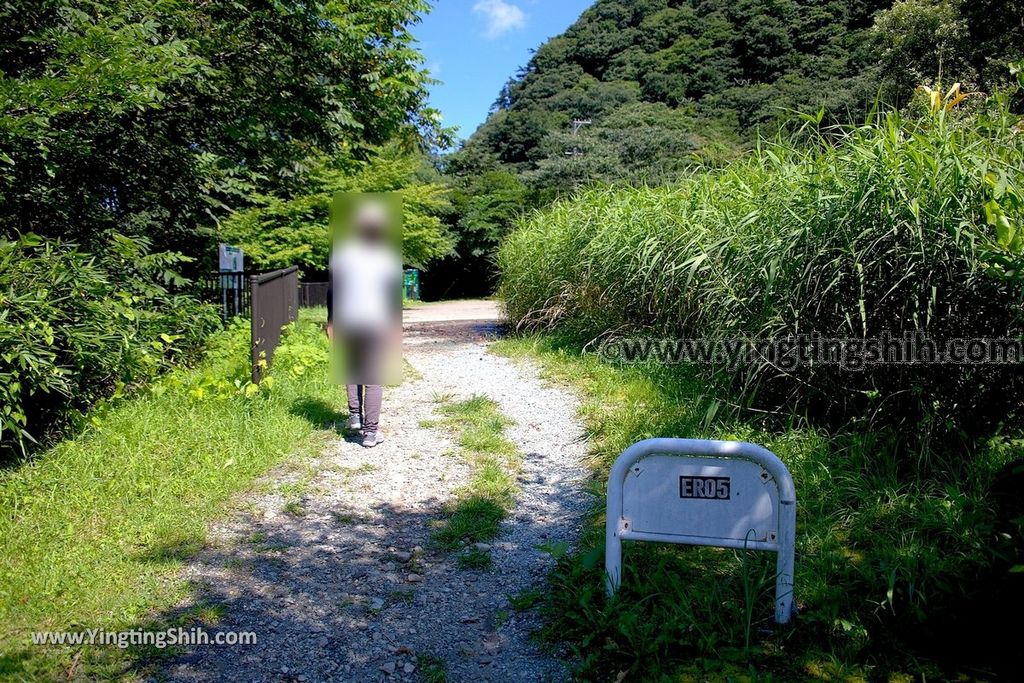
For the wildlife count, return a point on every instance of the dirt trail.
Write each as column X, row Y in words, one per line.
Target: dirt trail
column 333, row 569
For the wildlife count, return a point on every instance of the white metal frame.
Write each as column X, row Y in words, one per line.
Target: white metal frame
column 617, row 528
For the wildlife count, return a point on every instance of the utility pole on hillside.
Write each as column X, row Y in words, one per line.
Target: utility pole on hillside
column 577, row 124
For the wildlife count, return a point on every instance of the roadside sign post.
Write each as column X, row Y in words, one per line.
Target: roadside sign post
column 728, row 494
column 231, row 259
column 231, row 262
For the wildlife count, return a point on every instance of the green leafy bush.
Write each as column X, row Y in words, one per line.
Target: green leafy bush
column 280, row 232
column 900, row 225
column 76, row 328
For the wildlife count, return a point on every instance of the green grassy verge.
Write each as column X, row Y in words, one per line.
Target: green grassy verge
column 476, row 514
column 898, row 575
column 94, row 531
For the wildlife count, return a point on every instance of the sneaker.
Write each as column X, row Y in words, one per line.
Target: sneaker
column 355, row 423
column 371, row 439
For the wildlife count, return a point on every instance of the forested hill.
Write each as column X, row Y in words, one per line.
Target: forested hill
column 666, row 85
column 665, row 82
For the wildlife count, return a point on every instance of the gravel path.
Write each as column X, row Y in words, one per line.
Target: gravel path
column 343, row 584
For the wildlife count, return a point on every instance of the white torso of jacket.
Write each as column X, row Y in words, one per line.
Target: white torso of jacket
column 366, row 280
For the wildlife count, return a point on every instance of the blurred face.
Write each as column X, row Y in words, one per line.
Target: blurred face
column 368, row 218
column 371, row 221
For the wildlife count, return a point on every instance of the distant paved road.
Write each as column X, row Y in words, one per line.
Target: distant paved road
column 463, row 309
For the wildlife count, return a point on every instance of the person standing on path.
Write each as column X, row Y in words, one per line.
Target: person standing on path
column 364, row 306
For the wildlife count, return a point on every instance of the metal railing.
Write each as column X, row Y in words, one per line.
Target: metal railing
column 312, row 294
column 275, row 303
column 229, row 291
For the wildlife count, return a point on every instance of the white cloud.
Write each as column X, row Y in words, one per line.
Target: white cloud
column 501, row 16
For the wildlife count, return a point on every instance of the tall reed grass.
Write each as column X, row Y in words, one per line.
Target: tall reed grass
column 902, row 224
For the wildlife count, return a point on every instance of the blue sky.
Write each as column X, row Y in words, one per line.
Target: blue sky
column 474, row 46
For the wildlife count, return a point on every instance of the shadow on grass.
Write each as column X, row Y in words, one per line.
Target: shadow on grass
column 15, row 663
column 172, row 550
column 319, row 413
column 9, row 460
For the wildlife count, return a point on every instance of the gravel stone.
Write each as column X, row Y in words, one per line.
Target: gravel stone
column 317, row 588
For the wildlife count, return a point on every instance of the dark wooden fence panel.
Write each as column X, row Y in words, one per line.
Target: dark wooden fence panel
column 275, row 303
column 312, row 294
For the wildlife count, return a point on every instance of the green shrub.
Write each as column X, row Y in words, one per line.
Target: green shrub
column 281, row 232
column 900, row 225
column 76, row 328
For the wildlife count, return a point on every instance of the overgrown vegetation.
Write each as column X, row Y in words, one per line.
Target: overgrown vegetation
column 93, row 531
column 671, row 86
column 476, row 513
column 899, row 576
column 909, row 536
column 75, row 329
column 902, row 225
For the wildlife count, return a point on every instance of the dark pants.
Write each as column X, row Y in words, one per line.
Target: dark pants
column 365, row 400
column 365, row 357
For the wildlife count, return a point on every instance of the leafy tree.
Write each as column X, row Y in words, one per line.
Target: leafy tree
column 156, row 117
column 486, row 206
column 951, row 40
column 283, row 231
column 919, row 40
